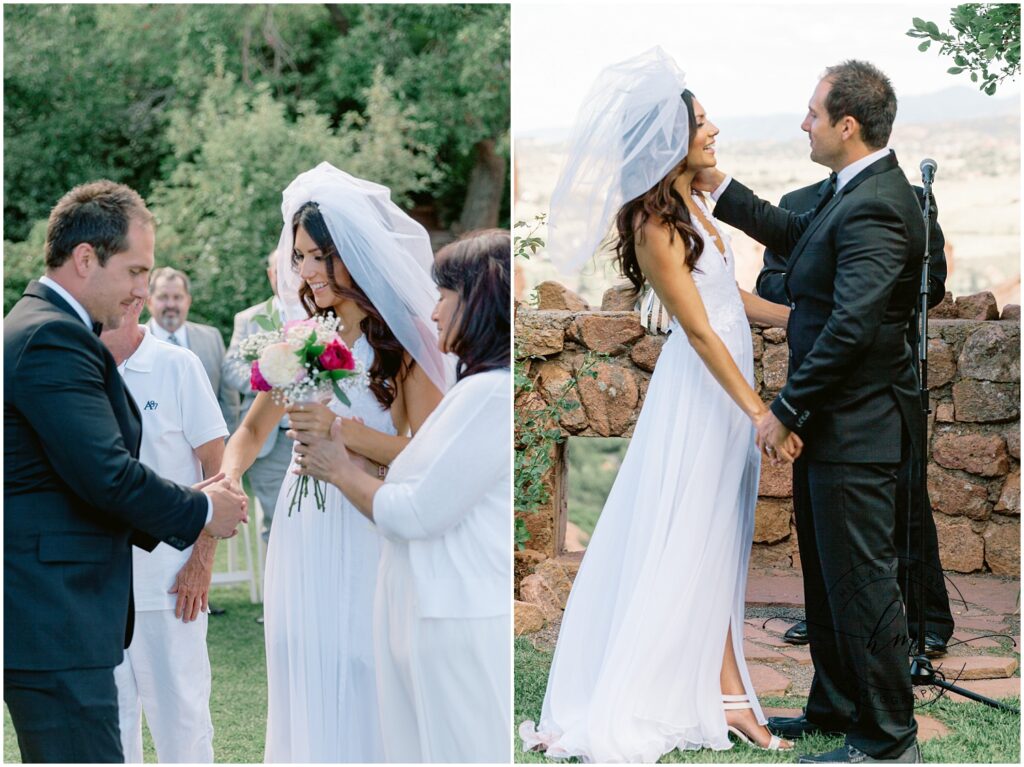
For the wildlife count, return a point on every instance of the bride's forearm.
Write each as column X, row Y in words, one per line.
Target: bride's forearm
column 379, row 447
column 358, row 486
column 245, row 443
column 760, row 310
column 720, row 364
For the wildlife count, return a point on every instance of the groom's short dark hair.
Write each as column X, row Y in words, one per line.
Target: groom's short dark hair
column 862, row 91
column 97, row 213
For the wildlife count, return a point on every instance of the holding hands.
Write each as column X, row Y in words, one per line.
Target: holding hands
column 775, row 440
column 321, row 439
column 324, row 457
column 230, row 504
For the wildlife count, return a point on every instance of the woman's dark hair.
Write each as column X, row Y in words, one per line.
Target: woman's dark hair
column 476, row 267
column 664, row 202
column 389, row 355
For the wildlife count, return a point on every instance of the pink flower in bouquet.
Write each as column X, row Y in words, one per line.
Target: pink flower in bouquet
column 337, row 356
column 256, row 379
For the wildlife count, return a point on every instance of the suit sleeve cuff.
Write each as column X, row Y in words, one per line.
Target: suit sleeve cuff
column 791, row 415
column 721, row 189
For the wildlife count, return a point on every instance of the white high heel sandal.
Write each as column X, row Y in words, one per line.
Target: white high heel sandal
column 736, row 702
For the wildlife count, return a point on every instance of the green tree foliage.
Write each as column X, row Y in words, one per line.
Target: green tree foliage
column 985, row 41
column 219, row 213
column 210, row 110
column 454, row 58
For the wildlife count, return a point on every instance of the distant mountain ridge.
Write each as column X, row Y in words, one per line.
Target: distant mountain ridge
column 954, row 104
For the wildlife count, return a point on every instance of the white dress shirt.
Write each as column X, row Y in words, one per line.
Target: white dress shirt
column 846, row 175
column 843, row 177
column 181, row 334
column 63, row 293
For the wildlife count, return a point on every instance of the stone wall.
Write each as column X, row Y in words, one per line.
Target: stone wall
column 974, row 430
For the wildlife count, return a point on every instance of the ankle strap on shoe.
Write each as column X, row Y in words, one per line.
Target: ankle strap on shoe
column 736, row 702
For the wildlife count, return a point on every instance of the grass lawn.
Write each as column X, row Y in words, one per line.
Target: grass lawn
column 977, row 733
column 238, row 701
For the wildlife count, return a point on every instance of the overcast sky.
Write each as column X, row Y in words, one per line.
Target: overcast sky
column 739, row 58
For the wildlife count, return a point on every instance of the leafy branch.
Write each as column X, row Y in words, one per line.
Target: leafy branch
column 527, row 245
column 537, row 434
column 986, row 41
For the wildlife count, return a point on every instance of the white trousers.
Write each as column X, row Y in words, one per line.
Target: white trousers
column 444, row 684
column 166, row 675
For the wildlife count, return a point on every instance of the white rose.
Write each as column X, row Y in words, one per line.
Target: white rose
column 298, row 335
column 280, row 366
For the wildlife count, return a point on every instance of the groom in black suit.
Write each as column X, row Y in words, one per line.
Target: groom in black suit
column 75, row 496
column 937, row 613
column 851, row 394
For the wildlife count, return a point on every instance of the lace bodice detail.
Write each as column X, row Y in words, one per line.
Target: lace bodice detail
column 364, row 403
column 716, row 280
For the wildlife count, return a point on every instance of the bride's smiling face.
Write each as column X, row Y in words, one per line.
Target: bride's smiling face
column 311, row 263
column 702, row 147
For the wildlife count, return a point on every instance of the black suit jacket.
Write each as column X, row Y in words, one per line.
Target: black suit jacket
column 771, row 280
column 75, row 497
column 853, row 282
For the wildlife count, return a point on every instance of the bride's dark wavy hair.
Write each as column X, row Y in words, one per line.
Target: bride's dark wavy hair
column 665, row 203
column 388, row 354
column 476, row 267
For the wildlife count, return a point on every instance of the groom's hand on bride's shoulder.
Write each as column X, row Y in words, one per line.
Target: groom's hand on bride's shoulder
column 229, row 507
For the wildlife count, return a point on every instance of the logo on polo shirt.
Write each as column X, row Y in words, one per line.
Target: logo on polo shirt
column 151, row 405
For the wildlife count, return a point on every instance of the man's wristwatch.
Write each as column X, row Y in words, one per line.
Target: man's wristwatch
column 382, row 471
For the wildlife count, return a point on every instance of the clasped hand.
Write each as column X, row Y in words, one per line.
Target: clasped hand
column 230, row 504
column 775, row 441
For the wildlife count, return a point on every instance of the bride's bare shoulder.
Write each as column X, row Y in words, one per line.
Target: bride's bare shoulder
column 655, row 236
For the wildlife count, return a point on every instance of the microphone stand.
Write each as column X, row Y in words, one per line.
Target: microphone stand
column 922, row 673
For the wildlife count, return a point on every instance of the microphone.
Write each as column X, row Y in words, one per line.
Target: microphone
column 928, row 168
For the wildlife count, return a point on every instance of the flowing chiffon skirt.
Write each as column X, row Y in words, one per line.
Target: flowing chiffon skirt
column 318, row 618
column 636, row 671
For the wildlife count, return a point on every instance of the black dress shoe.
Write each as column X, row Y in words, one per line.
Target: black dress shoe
column 797, row 634
column 215, row 610
column 847, row 754
column 792, row 727
column 934, row 645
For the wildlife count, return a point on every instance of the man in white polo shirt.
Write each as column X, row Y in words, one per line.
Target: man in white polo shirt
column 166, row 669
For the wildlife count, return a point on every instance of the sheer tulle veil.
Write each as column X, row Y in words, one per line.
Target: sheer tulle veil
column 387, row 253
column 631, row 130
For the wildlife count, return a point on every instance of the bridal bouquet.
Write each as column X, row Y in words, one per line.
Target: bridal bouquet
column 300, row 361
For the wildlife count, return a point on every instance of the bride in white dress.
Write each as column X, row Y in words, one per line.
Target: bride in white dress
column 650, row 653
column 345, row 248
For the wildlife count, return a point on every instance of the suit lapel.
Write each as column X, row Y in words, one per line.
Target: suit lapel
column 37, row 289
column 886, row 163
column 41, row 291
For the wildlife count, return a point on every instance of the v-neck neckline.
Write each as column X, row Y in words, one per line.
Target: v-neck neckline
column 710, row 236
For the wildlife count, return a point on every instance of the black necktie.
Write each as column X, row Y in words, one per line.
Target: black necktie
column 97, row 327
column 828, row 192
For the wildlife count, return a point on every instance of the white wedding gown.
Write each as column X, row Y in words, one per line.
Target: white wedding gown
column 639, row 655
column 320, row 582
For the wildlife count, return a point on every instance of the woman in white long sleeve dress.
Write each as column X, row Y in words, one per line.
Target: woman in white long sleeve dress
column 442, row 622
column 650, row 652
